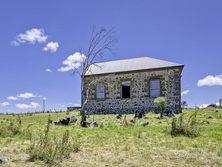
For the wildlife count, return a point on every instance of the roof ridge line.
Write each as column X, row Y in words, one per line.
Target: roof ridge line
column 126, row 59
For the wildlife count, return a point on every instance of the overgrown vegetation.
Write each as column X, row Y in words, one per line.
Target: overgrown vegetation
column 12, row 128
column 52, row 150
column 161, row 104
column 184, row 126
column 115, row 142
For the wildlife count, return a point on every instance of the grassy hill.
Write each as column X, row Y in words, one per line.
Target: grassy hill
column 115, row 142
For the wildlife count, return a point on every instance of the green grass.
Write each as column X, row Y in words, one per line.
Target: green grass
column 112, row 144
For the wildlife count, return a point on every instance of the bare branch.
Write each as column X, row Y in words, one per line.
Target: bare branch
column 105, row 39
column 100, row 41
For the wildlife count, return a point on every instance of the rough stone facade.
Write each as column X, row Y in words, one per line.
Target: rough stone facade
column 170, row 87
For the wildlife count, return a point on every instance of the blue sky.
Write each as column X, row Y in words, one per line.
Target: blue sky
column 38, row 35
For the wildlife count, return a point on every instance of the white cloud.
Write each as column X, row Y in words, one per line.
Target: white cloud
column 22, row 95
column 4, row 104
column 185, row 92
column 44, row 98
column 12, row 98
column 31, row 105
column 48, row 70
column 15, row 43
column 26, row 95
column 210, row 81
column 32, row 36
column 51, row 46
column 72, row 62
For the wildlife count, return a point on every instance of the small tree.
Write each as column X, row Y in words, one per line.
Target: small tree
column 184, row 104
column 212, row 105
column 161, row 102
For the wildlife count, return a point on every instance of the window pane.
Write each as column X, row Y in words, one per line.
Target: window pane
column 155, row 93
column 154, row 87
column 100, row 91
column 155, row 84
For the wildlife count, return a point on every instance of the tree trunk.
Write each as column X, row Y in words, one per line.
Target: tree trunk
column 83, row 121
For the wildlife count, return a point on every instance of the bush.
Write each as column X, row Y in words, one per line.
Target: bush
column 161, row 102
column 101, row 126
column 213, row 105
column 184, row 126
column 68, row 111
column 11, row 129
column 52, row 150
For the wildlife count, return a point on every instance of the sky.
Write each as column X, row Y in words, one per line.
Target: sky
column 40, row 42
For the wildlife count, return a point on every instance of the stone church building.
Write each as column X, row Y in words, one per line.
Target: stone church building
column 130, row 85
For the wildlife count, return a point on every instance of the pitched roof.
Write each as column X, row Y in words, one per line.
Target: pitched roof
column 129, row 65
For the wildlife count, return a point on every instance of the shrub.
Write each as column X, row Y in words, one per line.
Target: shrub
column 68, row 111
column 212, row 105
column 52, row 150
column 11, row 129
column 184, row 126
column 101, row 126
column 26, row 132
column 161, row 102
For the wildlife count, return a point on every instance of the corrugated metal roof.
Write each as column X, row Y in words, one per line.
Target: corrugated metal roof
column 129, row 65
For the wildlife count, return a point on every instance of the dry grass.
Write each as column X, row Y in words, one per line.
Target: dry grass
column 114, row 145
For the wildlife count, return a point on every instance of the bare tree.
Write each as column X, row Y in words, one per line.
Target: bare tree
column 100, row 41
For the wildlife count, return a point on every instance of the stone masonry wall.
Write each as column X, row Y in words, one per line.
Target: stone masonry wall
column 140, row 92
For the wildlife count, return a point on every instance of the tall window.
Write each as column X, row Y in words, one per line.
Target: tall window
column 126, row 89
column 154, row 87
column 100, row 91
